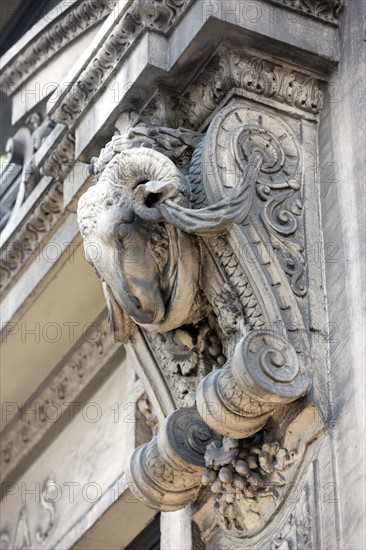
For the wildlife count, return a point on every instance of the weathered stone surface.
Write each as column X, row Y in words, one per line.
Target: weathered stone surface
column 213, row 154
column 243, row 182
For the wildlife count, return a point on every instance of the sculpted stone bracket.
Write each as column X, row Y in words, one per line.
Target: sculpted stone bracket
column 199, row 239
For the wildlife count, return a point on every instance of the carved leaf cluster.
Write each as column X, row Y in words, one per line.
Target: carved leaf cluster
column 257, row 75
column 185, row 356
column 326, row 10
column 177, row 144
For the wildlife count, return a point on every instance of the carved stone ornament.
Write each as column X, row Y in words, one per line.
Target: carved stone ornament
column 70, row 25
column 250, row 476
column 199, row 242
column 326, row 10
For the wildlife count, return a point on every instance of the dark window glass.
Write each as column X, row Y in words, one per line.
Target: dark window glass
column 149, row 538
column 18, row 16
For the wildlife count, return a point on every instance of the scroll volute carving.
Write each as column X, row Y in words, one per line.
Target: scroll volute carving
column 174, row 243
column 166, row 473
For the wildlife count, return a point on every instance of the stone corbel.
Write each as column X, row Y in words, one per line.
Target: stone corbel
column 188, row 226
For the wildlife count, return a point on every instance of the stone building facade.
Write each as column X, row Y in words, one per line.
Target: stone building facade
column 182, row 274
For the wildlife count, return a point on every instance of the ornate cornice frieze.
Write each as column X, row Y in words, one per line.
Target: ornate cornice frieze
column 140, row 16
column 38, row 222
column 328, row 11
column 61, row 158
column 228, row 69
column 39, row 415
column 30, row 233
column 77, row 20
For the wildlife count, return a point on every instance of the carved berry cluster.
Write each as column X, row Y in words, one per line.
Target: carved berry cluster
column 241, row 471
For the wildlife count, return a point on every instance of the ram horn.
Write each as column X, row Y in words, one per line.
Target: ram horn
column 151, row 175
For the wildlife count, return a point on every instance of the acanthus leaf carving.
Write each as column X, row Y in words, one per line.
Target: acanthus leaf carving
column 326, row 10
column 230, row 68
column 186, row 355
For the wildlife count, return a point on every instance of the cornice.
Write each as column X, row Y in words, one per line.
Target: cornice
column 62, row 30
column 37, row 223
column 133, row 21
column 84, row 15
column 139, row 17
column 230, row 69
column 31, row 232
column 69, row 378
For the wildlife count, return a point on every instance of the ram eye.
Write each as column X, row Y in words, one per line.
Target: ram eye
column 123, row 231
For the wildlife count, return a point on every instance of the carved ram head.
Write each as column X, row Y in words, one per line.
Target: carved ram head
column 149, row 268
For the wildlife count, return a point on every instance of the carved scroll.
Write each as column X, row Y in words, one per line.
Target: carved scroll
column 166, row 473
column 263, row 374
